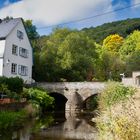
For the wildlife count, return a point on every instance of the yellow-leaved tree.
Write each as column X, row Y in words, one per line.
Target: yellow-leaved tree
column 113, row 43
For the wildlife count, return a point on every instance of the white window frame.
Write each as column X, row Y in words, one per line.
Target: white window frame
column 23, row 52
column 14, row 49
column 22, row 70
column 20, row 34
column 14, row 68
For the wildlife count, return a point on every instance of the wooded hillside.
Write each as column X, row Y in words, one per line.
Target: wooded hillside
column 123, row 28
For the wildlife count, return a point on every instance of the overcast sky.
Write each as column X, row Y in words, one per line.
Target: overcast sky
column 46, row 13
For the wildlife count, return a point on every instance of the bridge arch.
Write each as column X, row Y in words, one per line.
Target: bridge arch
column 60, row 101
column 75, row 93
column 90, row 102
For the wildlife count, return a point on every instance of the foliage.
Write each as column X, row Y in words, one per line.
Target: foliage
column 46, row 55
column 131, row 44
column 113, row 93
column 133, row 63
column 14, row 84
column 10, row 119
column 118, row 127
column 119, row 122
column 113, row 43
column 91, row 103
column 43, row 123
column 63, row 56
column 117, row 118
column 70, row 55
column 39, row 98
column 122, row 28
column 31, row 30
column 3, row 89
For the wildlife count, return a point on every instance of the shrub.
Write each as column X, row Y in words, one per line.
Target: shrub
column 39, row 98
column 14, row 84
column 117, row 119
column 4, row 89
column 118, row 127
column 114, row 93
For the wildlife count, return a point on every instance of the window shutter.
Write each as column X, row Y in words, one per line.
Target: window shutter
column 26, row 71
column 20, row 51
column 19, row 69
column 27, row 53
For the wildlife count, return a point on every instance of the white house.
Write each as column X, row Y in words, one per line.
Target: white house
column 132, row 81
column 16, row 57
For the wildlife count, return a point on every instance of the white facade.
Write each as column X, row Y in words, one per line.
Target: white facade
column 132, row 81
column 16, row 54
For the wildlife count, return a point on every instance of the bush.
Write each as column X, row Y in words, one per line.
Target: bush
column 118, row 127
column 114, row 93
column 39, row 98
column 14, row 84
column 117, row 119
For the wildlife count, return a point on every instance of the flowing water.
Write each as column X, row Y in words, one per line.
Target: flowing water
column 54, row 127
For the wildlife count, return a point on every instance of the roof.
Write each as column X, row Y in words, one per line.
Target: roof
column 6, row 26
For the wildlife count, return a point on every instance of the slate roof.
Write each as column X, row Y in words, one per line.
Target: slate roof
column 6, row 26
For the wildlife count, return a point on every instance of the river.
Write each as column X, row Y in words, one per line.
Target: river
column 55, row 127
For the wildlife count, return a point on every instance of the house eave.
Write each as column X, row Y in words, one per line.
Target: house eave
column 2, row 38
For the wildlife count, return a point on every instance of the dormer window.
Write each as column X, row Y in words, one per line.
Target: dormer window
column 19, row 34
column 23, row 52
column 14, row 49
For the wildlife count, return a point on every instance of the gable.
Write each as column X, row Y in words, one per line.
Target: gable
column 6, row 27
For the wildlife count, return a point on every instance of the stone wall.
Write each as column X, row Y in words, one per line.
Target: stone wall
column 12, row 106
column 75, row 92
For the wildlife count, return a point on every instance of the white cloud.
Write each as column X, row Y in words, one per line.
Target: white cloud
column 51, row 12
column 136, row 1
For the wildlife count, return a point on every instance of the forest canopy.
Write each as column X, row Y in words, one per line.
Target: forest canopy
column 91, row 54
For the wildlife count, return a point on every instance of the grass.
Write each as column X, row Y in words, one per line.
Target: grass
column 9, row 119
column 118, row 119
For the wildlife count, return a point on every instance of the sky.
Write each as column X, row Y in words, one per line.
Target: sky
column 48, row 14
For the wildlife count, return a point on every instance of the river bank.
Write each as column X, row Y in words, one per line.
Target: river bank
column 119, row 115
column 54, row 127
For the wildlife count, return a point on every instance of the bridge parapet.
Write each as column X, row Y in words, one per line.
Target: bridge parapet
column 72, row 85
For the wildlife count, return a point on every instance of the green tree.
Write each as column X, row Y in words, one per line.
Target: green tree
column 131, row 44
column 77, row 57
column 31, row 29
column 110, row 64
column 130, row 52
column 133, row 63
column 45, row 66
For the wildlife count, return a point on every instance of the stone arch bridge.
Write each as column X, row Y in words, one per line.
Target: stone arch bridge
column 75, row 93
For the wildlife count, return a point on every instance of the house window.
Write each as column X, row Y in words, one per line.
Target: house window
column 14, row 49
column 23, row 52
column 23, row 70
column 14, row 68
column 19, row 34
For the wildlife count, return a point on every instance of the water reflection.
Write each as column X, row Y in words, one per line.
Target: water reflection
column 54, row 127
